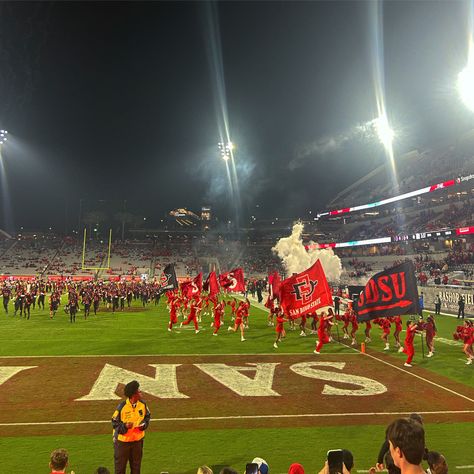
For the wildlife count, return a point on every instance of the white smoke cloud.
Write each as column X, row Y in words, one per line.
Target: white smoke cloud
column 296, row 258
column 360, row 133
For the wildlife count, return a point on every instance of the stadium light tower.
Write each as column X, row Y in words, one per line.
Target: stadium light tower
column 3, row 136
column 226, row 150
column 466, row 80
column 385, row 133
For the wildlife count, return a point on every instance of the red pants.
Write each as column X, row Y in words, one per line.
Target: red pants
column 217, row 325
column 193, row 319
column 409, row 350
column 323, row 339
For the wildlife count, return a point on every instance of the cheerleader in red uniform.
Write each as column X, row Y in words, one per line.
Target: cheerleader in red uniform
column 279, row 329
column 465, row 333
column 218, row 315
column 271, row 307
column 398, row 329
column 385, row 325
column 368, row 327
column 430, row 331
column 173, row 314
column 238, row 323
column 409, row 347
column 325, row 320
column 193, row 315
column 346, row 318
column 355, row 327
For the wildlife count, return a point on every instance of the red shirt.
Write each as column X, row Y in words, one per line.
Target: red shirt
column 411, row 331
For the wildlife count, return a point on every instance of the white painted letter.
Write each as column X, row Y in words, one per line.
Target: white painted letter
column 369, row 386
column 229, row 376
column 163, row 385
column 8, row 372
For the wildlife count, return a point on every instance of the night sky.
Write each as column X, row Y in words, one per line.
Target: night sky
column 119, row 101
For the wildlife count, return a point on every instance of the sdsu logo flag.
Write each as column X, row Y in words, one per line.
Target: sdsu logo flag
column 233, row 280
column 305, row 292
column 392, row 292
column 168, row 280
column 192, row 287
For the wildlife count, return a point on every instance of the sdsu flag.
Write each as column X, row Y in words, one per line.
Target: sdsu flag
column 392, row 292
column 192, row 287
column 305, row 292
column 233, row 280
column 211, row 285
column 168, row 280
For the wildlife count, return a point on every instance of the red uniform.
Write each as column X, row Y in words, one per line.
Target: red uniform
column 279, row 326
column 192, row 317
column 322, row 332
column 218, row 313
column 409, row 348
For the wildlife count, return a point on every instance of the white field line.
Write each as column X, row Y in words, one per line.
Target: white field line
column 242, row 417
column 471, row 466
column 177, row 355
column 416, row 376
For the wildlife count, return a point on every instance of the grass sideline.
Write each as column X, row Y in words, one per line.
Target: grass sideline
column 183, row 452
column 143, row 331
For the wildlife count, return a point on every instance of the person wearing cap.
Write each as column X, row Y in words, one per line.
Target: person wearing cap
column 130, row 420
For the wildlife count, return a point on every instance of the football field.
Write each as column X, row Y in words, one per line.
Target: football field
column 217, row 400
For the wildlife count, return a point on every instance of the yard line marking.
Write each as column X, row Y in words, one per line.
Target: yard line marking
column 465, row 467
column 175, row 355
column 415, row 375
column 243, row 417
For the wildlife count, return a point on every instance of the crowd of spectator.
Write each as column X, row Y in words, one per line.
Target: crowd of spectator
column 403, row 451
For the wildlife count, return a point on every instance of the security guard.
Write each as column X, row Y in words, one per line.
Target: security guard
column 130, row 420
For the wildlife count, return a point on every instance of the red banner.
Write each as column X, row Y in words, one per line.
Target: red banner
column 305, row 292
column 274, row 282
column 211, row 285
column 191, row 288
column 233, row 280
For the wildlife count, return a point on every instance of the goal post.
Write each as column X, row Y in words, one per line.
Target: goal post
column 84, row 267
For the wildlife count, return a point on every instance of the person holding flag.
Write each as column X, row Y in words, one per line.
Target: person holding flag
column 192, row 316
column 430, row 331
column 385, row 325
column 398, row 329
column 368, row 327
column 238, row 323
column 279, row 329
column 218, row 316
column 409, row 347
column 325, row 321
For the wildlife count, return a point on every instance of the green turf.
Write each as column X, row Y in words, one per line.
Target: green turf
column 143, row 331
column 183, row 452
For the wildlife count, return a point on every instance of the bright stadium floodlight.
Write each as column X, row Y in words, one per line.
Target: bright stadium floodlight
column 466, row 81
column 226, row 150
column 3, row 136
column 385, row 133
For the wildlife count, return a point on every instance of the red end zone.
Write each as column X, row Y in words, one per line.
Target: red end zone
column 79, row 394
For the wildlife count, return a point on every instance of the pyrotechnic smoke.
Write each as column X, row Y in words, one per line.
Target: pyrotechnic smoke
column 296, row 258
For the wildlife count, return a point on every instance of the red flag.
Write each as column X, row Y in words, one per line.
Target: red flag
column 305, row 292
column 191, row 288
column 233, row 280
column 274, row 281
column 211, row 285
